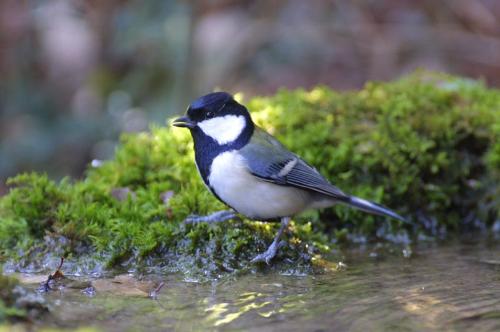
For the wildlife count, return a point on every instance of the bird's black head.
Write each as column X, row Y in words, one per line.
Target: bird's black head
column 217, row 117
column 217, row 123
column 209, row 106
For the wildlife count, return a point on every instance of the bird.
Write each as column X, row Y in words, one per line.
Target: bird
column 250, row 171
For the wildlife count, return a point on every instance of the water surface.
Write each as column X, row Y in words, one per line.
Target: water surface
column 434, row 288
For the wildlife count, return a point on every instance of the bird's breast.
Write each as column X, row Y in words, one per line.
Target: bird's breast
column 231, row 180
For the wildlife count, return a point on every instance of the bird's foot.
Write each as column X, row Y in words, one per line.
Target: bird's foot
column 275, row 246
column 270, row 253
column 215, row 217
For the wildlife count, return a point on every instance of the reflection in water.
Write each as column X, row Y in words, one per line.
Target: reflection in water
column 439, row 288
column 219, row 314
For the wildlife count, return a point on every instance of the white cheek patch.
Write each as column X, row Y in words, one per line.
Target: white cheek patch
column 223, row 129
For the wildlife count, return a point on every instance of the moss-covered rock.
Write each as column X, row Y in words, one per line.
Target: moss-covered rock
column 427, row 146
column 8, row 310
column 18, row 304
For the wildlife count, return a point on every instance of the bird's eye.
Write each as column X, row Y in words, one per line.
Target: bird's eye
column 210, row 115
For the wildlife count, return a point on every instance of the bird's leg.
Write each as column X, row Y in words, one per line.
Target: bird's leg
column 215, row 217
column 273, row 248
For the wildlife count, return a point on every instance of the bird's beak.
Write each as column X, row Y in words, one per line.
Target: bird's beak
column 184, row 122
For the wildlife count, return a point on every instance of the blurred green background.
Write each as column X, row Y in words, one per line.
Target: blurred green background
column 77, row 73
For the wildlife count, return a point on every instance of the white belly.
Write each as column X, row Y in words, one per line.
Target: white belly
column 251, row 196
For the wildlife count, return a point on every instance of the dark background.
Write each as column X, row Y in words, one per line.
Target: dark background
column 75, row 74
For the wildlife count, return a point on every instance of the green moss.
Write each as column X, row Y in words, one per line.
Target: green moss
column 426, row 145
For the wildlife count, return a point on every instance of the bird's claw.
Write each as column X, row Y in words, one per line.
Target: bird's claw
column 264, row 257
column 269, row 254
column 215, row 217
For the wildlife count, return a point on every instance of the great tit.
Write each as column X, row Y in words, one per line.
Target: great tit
column 252, row 172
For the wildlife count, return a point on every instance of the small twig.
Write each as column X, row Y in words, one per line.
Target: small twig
column 45, row 287
column 155, row 292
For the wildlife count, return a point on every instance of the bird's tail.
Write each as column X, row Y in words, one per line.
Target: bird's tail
column 370, row 207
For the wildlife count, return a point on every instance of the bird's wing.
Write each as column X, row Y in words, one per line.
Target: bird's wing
column 269, row 160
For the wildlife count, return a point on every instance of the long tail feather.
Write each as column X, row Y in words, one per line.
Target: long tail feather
column 370, row 207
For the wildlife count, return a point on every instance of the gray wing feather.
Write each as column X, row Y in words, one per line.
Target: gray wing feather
column 269, row 160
